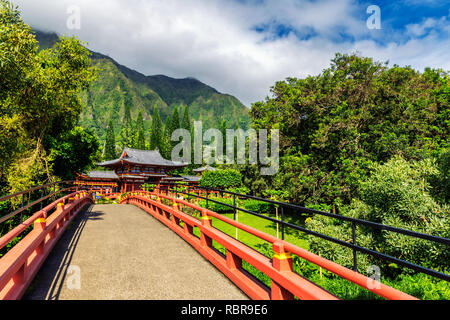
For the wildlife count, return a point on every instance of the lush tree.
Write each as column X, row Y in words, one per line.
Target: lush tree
column 172, row 124
column 165, row 145
column 223, row 126
column 186, row 121
column 174, row 121
column 73, row 152
column 221, row 179
column 110, row 144
column 157, row 137
column 140, row 132
column 397, row 193
column 39, row 98
column 333, row 126
column 128, row 130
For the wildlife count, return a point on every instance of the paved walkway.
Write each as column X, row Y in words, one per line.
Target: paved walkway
column 120, row 253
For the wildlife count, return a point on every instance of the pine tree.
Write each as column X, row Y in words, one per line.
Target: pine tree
column 140, row 133
column 223, row 128
column 175, row 121
column 156, row 138
column 186, row 122
column 110, row 144
column 174, row 124
column 165, row 145
column 126, row 132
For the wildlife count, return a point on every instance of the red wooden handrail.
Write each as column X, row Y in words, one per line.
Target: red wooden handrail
column 19, row 265
column 285, row 282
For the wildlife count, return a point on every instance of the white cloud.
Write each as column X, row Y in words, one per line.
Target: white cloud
column 429, row 25
column 215, row 41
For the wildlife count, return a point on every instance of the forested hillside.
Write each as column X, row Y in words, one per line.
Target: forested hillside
column 118, row 87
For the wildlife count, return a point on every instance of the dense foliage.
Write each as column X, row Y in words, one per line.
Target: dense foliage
column 333, row 126
column 73, row 151
column 39, row 105
column 371, row 142
column 396, row 194
column 221, row 179
column 259, row 206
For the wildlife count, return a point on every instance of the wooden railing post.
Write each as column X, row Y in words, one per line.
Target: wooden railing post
column 205, row 241
column 282, row 262
column 19, row 276
column 233, row 261
column 39, row 226
column 175, row 220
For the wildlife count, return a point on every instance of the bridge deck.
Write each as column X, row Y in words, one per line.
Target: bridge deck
column 123, row 253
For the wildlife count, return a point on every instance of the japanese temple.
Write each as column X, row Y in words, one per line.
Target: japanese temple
column 129, row 172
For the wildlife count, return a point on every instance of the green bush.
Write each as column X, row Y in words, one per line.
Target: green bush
column 421, row 286
column 221, row 179
column 259, row 206
column 396, row 194
column 240, row 190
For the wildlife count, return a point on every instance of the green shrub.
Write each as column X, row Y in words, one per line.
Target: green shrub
column 396, row 194
column 421, row 286
column 259, row 206
column 221, row 179
column 240, row 190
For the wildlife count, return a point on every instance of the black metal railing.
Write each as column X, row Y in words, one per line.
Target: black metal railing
column 354, row 222
column 45, row 192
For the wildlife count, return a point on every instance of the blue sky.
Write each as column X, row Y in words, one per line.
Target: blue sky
column 242, row 47
column 396, row 17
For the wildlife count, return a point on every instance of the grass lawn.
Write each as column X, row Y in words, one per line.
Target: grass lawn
column 261, row 224
column 269, row 227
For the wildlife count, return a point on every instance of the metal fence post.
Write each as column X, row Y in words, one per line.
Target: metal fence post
column 234, row 206
column 21, row 214
column 355, row 261
column 42, row 193
column 282, row 225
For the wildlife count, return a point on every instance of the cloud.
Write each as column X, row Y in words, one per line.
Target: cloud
column 430, row 25
column 238, row 47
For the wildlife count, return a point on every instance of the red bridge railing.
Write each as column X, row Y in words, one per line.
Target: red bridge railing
column 285, row 283
column 19, row 265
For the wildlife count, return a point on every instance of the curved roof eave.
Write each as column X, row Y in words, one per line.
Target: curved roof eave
column 167, row 165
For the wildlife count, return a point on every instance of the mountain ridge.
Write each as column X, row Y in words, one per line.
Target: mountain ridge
column 119, row 86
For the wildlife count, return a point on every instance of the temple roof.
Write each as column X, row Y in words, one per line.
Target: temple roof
column 143, row 157
column 102, row 175
column 182, row 178
column 206, row 168
column 191, row 178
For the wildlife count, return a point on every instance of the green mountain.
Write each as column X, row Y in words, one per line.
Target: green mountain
column 118, row 86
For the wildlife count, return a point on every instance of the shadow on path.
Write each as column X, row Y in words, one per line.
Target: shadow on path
column 49, row 281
